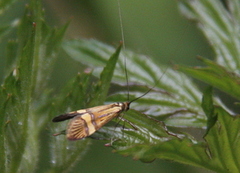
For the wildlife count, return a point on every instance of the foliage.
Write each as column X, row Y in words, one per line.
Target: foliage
column 27, row 104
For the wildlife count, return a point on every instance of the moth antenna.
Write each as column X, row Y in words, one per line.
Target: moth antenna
column 150, row 89
column 125, row 60
column 124, row 48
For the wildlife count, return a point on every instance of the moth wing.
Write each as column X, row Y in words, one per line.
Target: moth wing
column 69, row 115
column 102, row 119
column 77, row 128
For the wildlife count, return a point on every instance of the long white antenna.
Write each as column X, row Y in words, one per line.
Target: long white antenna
column 124, row 48
column 125, row 60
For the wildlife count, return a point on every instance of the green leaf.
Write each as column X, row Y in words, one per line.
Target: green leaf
column 21, row 93
column 223, row 141
column 219, row 24
column 220, row 29
column 215, row 75
column 5, row 30
column 11, row 55
column 152, row 140
column 105, row 79
column 208, row 107
column 75, row 95
column 17, row 111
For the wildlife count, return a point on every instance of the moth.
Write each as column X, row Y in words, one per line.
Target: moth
column 87, row 121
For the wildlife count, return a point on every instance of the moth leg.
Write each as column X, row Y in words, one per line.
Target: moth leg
column 60, row 133
column 111, row 143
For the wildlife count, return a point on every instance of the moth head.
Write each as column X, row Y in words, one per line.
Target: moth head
column 124, row 105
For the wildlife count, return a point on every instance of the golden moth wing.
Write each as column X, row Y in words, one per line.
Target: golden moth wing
column 69, row 115
column 77, row 128
column 101, row 108
column 103, row 117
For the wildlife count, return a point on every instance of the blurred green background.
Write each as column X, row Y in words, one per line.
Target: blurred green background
column 154, row 28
